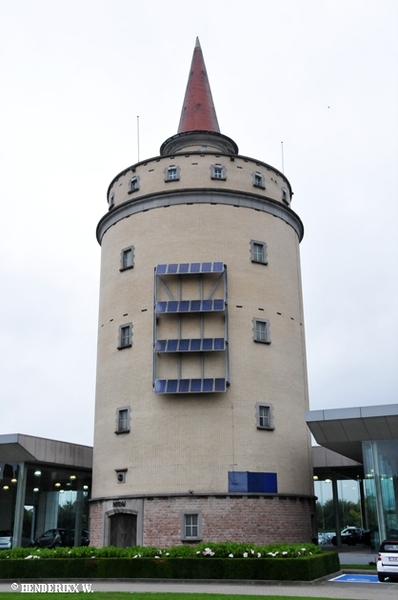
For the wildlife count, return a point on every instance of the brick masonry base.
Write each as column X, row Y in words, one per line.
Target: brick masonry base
column 253, row 518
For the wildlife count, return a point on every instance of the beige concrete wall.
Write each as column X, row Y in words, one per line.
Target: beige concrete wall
column 190, row 442
column 195, row 173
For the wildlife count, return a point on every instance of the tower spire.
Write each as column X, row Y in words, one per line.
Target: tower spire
column 198, row 112
column 198, row 126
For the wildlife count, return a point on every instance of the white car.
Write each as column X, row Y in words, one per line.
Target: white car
column 5, row 539
column 387, row 560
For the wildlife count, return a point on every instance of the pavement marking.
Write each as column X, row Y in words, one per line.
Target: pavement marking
column 357, row 578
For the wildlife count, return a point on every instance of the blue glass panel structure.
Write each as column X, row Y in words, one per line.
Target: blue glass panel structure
column 219, row 384
column 195, row 345
column 270, row 484
column 208, row 344
column 184, row 268
column 160, row 386
column 237, row 481
column 161, row 269
column 207, row 305
column 195, row 305
column 161, row 307
column 184, row 306
column 171, row 386
column 218, row 304
column 196, row 385
column 183, row 346
column 160, row 345
column 207, row 267
column 219, row 344
column 172, row 268
column 208, row 385
column 183, row 385
column 195, row 268
column 172, row 345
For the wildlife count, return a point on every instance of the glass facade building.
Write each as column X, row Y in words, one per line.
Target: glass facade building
column 44, row 485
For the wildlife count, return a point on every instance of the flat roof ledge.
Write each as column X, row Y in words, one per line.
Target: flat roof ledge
column 344, row 429
column 17, row 447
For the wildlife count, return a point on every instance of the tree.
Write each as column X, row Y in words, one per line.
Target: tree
column 349, row 512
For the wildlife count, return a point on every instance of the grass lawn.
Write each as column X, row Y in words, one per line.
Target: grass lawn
column 158, row 596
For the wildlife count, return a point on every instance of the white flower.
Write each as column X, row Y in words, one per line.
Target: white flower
column 303, row 549
column 167, row 553
column 198, row 552
column 245, row 555
column 258, row 554
column 157, row 556
column 230, row 555
column 30, row 556
column 136, row 556
column 284, row 553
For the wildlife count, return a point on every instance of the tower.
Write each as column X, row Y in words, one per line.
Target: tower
column 201, row 369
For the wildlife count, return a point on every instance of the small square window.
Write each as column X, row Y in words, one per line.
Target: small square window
column 172, row 173
column 258, row 252
column 123, row 420
column 218, row 172
column 134, row 184
column 111, row 200
column 191, row 526
column 285, row 197
column 261, row 331
column 127, row 258
column 264, row 416
column 125, row 336
column 258, row 180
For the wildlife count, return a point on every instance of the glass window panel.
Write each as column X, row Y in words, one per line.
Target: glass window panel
column 218, row 304
column 160, row 269
column 184, row 268
column 195, row 267
column 172, row 268
column 184, row 306
column 172, row 306
column 208, row 344
column 160, row 345
column 161, row 307
column 218, row 267
column 191, row 526
column 122, row 424
column 206, row 267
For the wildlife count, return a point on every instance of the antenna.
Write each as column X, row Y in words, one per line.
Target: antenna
column 283, row 160
column 138, row 138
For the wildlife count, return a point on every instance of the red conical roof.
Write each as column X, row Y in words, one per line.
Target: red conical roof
column 198, row 112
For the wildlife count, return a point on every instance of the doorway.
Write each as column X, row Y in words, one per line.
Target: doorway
column 123, row 530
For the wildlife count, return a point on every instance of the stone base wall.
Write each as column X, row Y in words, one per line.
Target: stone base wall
column 253, row 519
column 96, row 524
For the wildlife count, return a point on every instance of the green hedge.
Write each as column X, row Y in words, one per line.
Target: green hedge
column 280, row 569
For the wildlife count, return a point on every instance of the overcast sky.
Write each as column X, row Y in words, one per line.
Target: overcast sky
column 319, row 75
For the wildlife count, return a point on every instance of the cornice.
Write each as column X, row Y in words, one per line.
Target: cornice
column 199, row 196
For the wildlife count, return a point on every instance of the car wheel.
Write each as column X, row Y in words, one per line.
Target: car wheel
column 381, row 577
